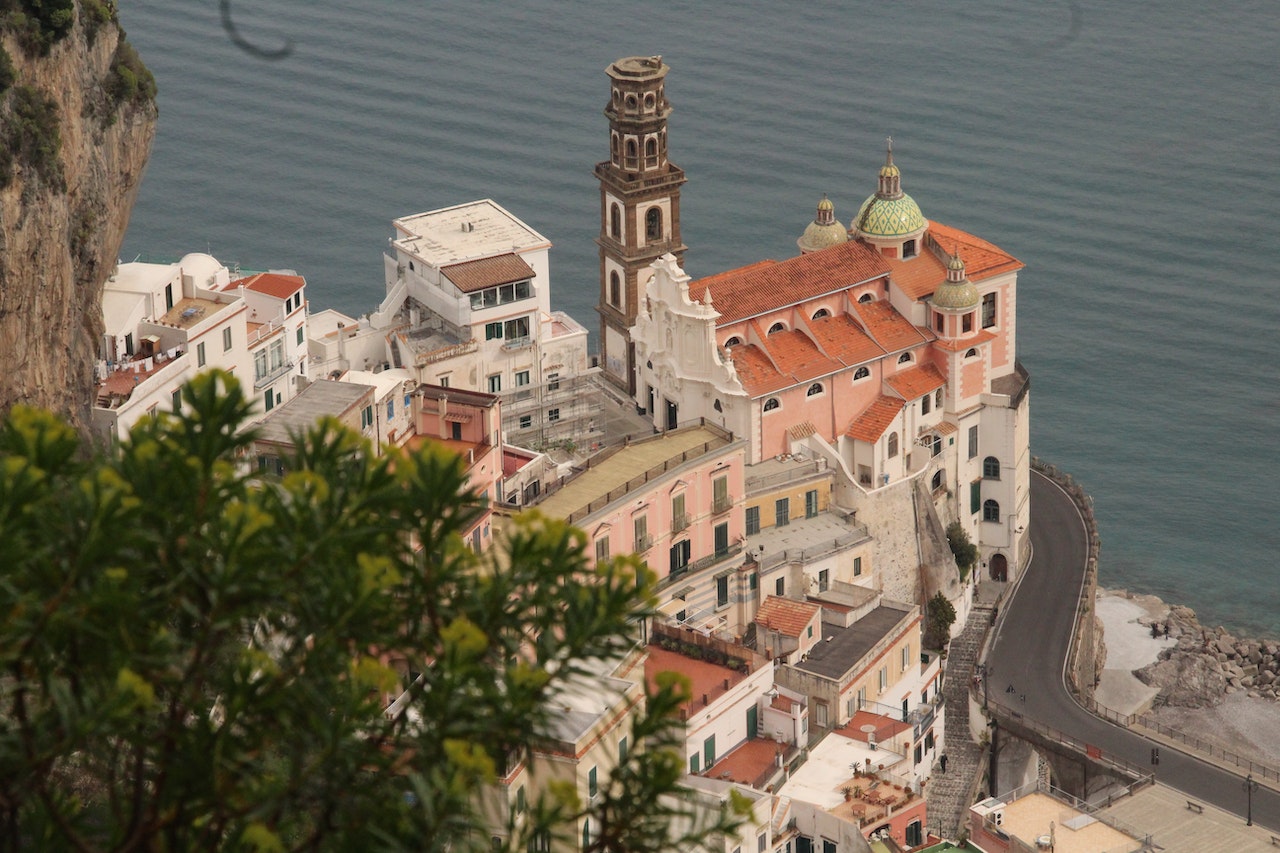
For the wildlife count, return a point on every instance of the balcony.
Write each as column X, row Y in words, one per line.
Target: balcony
column 260, row 382
column 721, row 504
column 512, row 344
column 643, row 543
column 679, row 522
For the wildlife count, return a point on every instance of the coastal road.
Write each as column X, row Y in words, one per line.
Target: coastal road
column 1027, row 663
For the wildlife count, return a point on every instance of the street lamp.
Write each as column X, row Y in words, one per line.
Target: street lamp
column 1250, row 786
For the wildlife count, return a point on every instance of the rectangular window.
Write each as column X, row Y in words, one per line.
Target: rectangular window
column 444, row 382
column 526, row 421
column 862, row 698
column 495, row 383
column 366, row 417
column 906, row 657
column 622, row 751
column 780, row 586
column 857, row 566
column 680, row 558
column 553, row 381
column 641, row 525
column 168, row 296
column 226, row 339
column 493, row 331
column 884, row 678
column 522, row 378
column 301, row 336
column 720, row 492
column 966, row 322
column 975, row 496
column 259, row 365
column 722, row 591
column 782, row 511
column 177, row 400
column 828, row 846
column 277, row 355
column 811, row 503
column 521, row 803
column 824, row 580
column 694, row 766
column 753, row 520
column 973, row 441
column 517, row 329
column 602, row 549
column 753, row 581
column 200, row 359
column 553, row 415
column 593, row 783
column 679, row 519
column 926, row 404
column 709, row 751
column 391, row 409
column 722, row 540
column 988, row 310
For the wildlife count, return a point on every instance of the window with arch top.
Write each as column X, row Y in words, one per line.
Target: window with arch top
column 615, row 290
column 990, row 511
column 653, row 223
column 864, row 298
column 615, row 222
column 970, row 353
column 777, row 327
column 814, row 390
column 820, row 313
column 772, row 404
column 732, row 342
column 861, row 373
column 991, row 468
column 893, row 444
column 905, row 358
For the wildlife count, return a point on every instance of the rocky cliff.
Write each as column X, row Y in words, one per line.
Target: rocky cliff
column 77, row 118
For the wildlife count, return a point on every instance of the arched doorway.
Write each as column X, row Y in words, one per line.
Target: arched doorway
column 999, row 568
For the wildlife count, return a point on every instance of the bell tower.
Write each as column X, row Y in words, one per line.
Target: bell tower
column 639, row 205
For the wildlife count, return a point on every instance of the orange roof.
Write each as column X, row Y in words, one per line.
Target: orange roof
column 887, row 327
column 273, row 284
column 761, row 287
column 756, row 371
column 786, row 615
column 804, row 430
column 916, row 382
column 920, row 276
column 955, row 346
column 470, row 276
column 872, row 423
column 842, row 338
column 706, row 679
column 796, row 355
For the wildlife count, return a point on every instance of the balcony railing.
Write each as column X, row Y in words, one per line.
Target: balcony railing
column 679, row 522
column 721, row 504
column 260, row 382
column 643, row 543
column 517, row 343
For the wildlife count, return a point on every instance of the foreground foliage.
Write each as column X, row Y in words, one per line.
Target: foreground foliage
column 193, row 659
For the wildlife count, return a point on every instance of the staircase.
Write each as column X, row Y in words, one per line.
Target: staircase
column 949, row 794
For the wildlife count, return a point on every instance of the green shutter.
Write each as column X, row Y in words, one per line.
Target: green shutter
column 975, row 496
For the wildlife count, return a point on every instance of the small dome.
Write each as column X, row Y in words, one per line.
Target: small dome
column 824, row 231
column 889, row 217
column 957, row 293
column 890, row 170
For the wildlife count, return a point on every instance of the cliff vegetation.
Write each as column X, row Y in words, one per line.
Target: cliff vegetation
column 77, row 118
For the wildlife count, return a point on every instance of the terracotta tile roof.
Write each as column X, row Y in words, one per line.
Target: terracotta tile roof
column 470, row 276
column 919, row 277
column 843, row 339
column 761, row 287
column 872, row 423
column 803, row 430
column 916, row 382
column 941, row 428
column 786, row 615
column 795, row 355
column 887, row 327
column 273, row 284
column 756, row 371
column 955, row 346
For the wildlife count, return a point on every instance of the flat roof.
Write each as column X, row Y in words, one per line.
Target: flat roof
column 801, row 533
column 322, row 397
column 465, row 232
column 842, row 648
column 624, row 466
column 706, row 679
column 1029, row 818
column 829, row 769
column 581, row 703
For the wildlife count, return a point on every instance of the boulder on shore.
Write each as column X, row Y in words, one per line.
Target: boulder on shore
column 1185, row 679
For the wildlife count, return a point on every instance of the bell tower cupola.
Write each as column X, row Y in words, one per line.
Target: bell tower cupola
column 639, row 205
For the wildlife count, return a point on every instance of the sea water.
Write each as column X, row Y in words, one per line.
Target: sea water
column 1125, row 152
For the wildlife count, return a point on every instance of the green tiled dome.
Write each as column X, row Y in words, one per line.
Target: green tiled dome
column 957, row 293
column 889, row 217
column 824, row 231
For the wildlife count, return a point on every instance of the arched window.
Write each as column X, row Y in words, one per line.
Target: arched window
column 990, row 511
column 615, row 147
column 905, row 358
column 615, row 290
column 970, row 353
column 733, row 342
column 814, row 390
column 653, row 223
column 777, row 327
column 615, row 222
column 651, row 147
column 893, row 444
column 991, row 468
column 820, row 313
column 861, row 373
column 771, row 404
column 631, row 155
column 864, row 298
column 936, row 482
column 937, row 399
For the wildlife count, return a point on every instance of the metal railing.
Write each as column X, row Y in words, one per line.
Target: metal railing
column 800, row 472
column 817, row 551
column 679, row 522
column 643, row 543
column 722, row 504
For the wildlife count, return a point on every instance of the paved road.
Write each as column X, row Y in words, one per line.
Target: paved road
column 1029, row 654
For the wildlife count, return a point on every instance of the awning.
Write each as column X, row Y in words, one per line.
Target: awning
column 671, row 608
column 457, row 417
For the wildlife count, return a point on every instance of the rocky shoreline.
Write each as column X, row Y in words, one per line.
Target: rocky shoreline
column 1205, row 665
